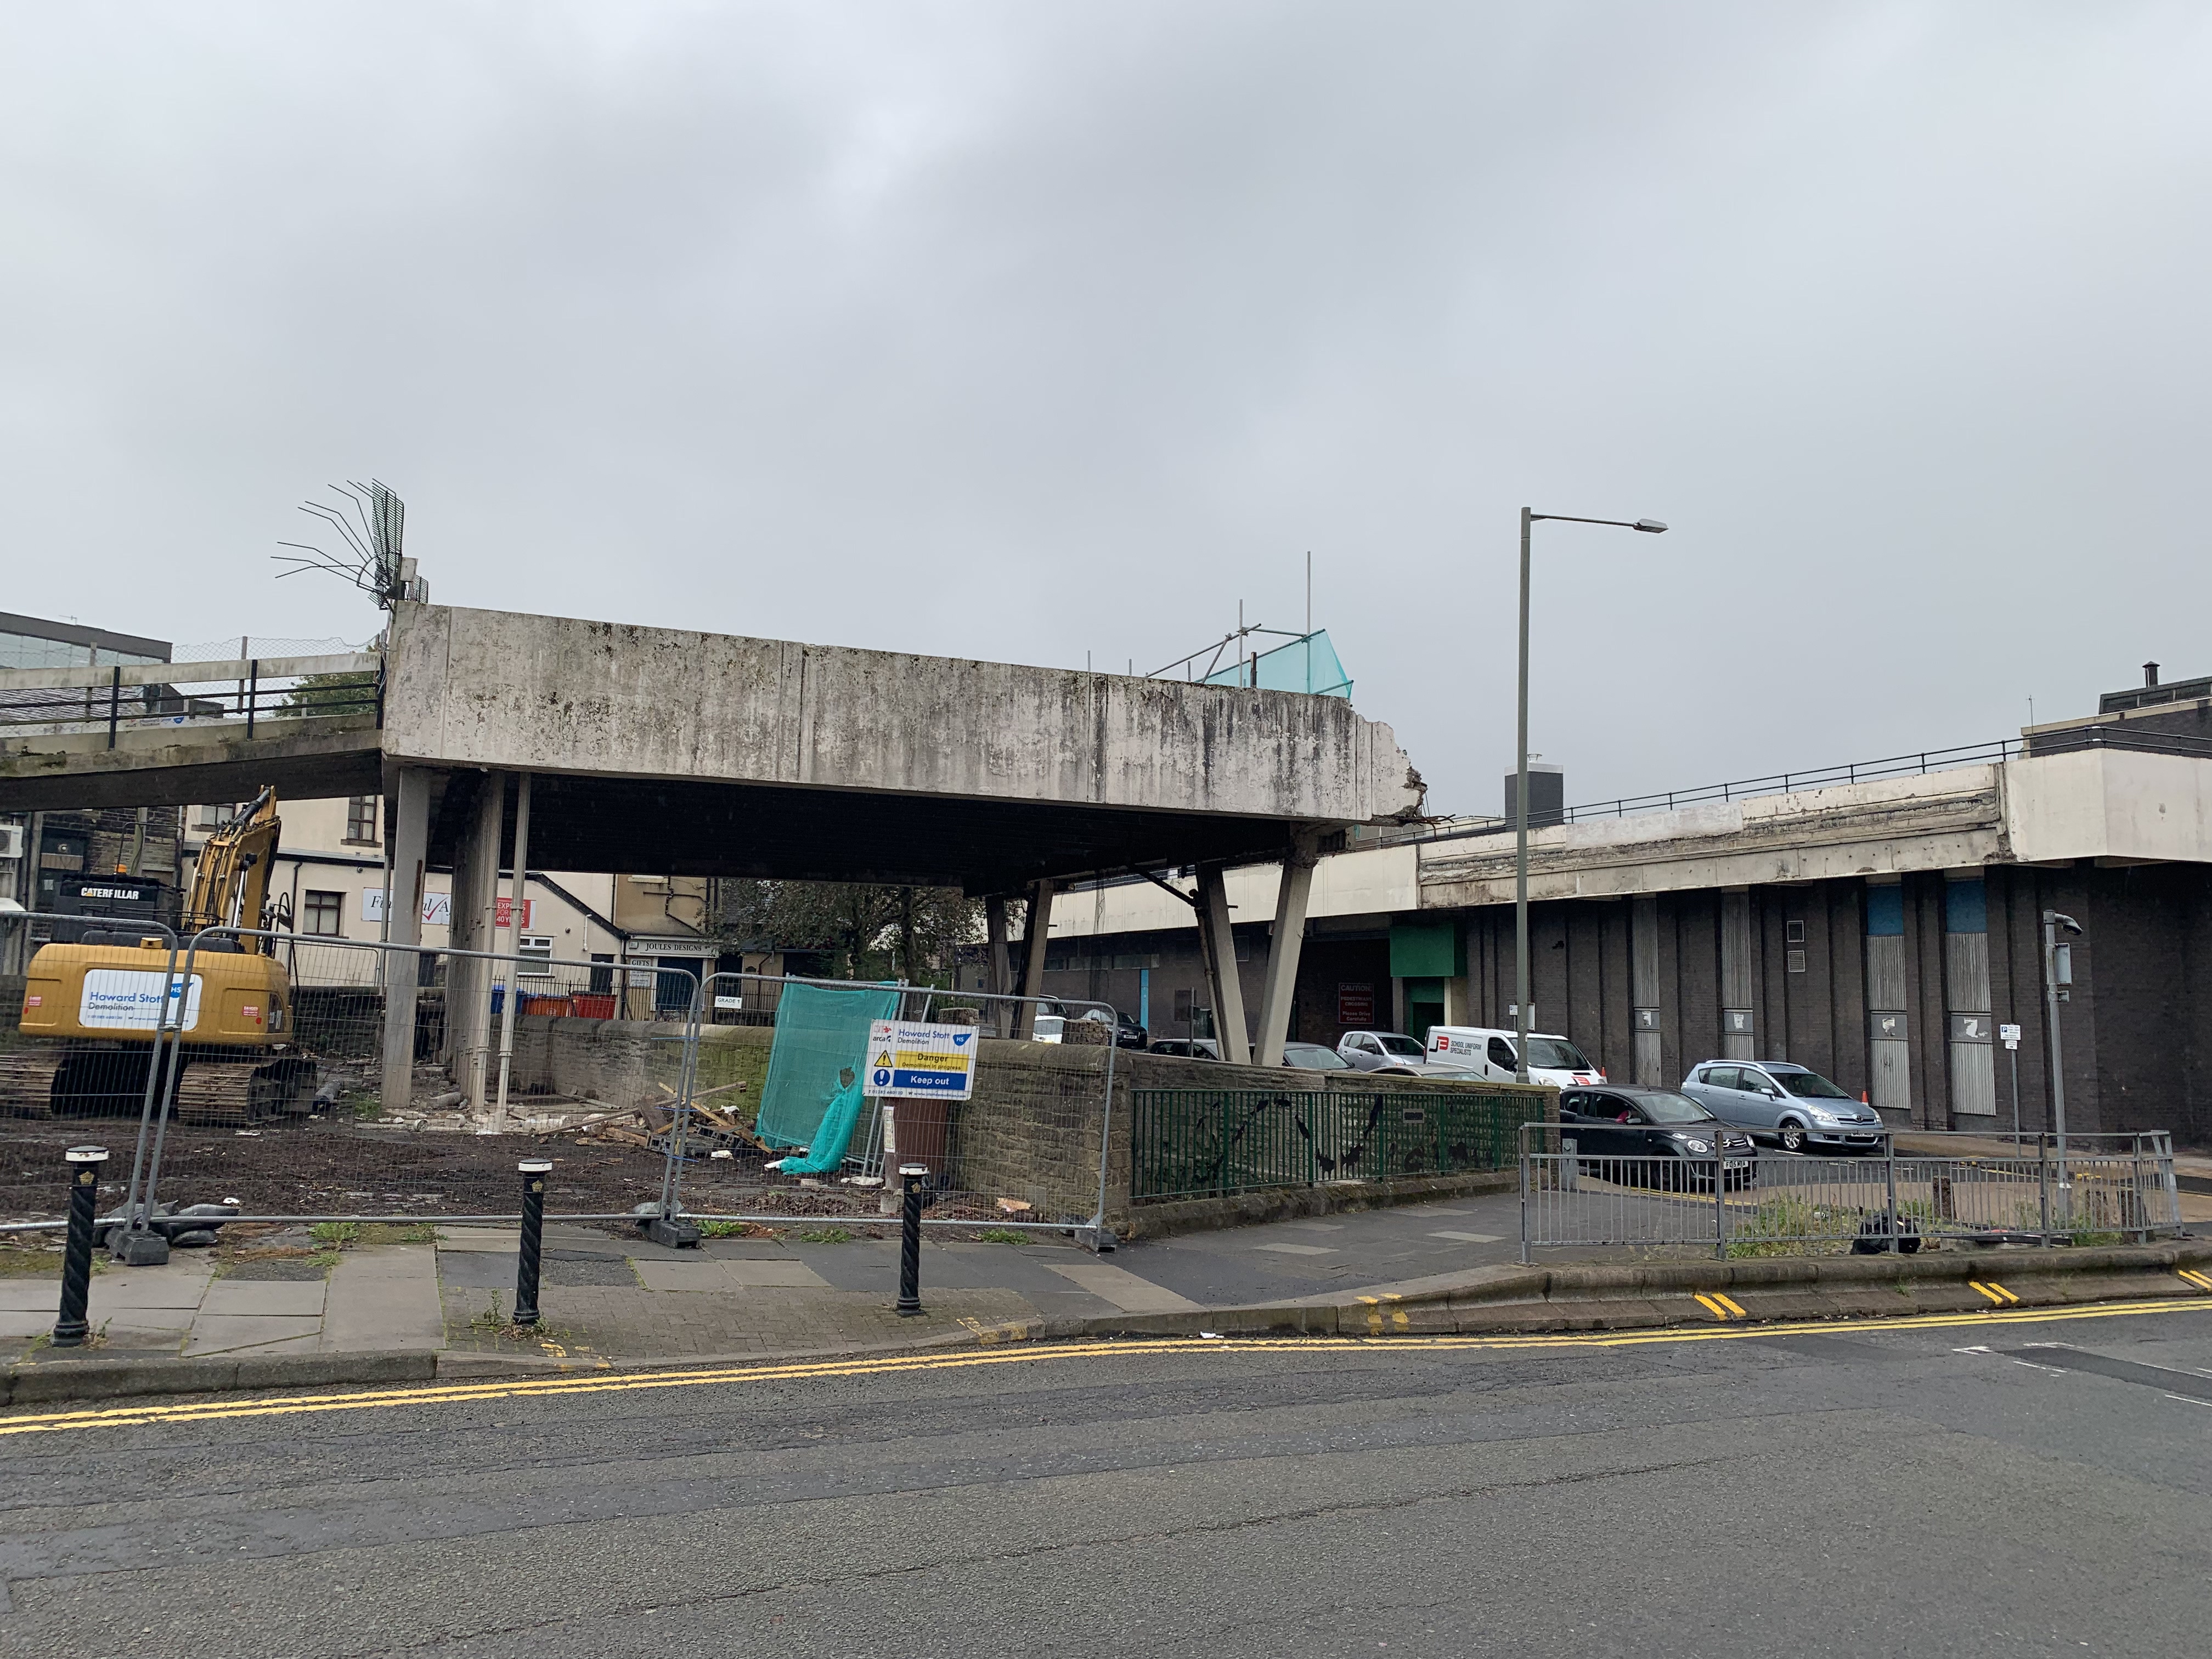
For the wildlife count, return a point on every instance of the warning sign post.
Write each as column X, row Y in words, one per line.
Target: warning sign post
column 909, row 1061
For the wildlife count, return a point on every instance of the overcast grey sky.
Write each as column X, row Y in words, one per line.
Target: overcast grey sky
column 1021, row 331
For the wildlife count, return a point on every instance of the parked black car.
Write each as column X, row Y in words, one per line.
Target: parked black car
column 1623, row 1122
column 1188, row 1048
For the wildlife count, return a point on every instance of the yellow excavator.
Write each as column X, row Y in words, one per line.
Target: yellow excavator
column 96, row 1005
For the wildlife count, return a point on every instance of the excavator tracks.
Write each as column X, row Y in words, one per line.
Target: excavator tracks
column 26, row 1084
column 233, row 1094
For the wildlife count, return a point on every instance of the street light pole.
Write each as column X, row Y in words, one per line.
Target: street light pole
column 1650, row 526
column 1521, row 834
column 2053, row 922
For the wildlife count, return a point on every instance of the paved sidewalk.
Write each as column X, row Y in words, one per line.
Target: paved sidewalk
column 607, row 1294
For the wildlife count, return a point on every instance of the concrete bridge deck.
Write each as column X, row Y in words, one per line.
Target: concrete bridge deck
column 651, row 750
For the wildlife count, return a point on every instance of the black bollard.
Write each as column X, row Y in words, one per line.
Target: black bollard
column 84, row 1162
column 909, row 1295
column 534, row 1171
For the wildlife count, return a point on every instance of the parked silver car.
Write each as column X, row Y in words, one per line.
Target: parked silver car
column 1795, row 1107
column 1373, row 1051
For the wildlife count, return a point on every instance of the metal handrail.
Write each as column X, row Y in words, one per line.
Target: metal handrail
column 1781, row 783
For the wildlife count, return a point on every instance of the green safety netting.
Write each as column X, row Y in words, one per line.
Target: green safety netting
column 827, row 1149
column 1308, row 663
column 820, row 1031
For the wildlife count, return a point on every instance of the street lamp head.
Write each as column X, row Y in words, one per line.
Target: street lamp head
column 1649, row 526
column 2061, row 918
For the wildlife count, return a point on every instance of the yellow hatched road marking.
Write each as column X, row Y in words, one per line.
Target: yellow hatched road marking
column 1995, row 1292
column 1712, row 1304
column 2201, row 1280
column 600, row 1382
column 1730, row 1303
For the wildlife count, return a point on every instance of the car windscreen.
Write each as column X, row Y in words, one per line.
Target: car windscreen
column 1314, row 1058
column 1672, row 1109
column 1810, row 1085
column 1556, row 1055
column 1404, row 1045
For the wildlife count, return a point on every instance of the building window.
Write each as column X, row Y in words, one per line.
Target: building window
column 360, row 820
column 323, row 912
column 536, row 954
column 1793, row 932
column 1796, row 961
column 213, row 817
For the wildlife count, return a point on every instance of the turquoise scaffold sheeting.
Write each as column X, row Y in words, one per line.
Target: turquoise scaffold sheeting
column 1308, row 663
column 821, row 1031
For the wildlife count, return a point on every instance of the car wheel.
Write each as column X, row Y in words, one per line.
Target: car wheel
column 1792, row 1136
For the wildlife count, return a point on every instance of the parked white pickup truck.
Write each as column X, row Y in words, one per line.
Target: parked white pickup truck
column 1488, row 1052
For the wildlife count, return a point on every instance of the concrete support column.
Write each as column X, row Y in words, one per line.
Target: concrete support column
column 1281, row 986
column 1643, row 989
column 517, row 907
column 1739, row 1032
column 1220, row 947
column 410, row 790
column 460, row 935
column 1002, row 967
column 483, row 902
column 1033, row 943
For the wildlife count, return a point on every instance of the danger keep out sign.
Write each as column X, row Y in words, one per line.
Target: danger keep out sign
column 935, row 1062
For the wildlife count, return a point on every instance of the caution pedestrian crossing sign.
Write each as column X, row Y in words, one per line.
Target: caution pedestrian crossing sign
column 917, row 1061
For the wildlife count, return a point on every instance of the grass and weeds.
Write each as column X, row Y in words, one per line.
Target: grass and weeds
column 825, row 1235
column 492, row 1323
column 1002, row 1236
column 734, row 1230
column 1784, row 1224
column 16, row 1262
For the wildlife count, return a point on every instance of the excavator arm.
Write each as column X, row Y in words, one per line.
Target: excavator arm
column 230, row 884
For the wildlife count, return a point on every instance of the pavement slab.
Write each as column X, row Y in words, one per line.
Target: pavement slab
column 1123, row 1290
column 384, row 1296
column 228, row 1333
column 265, row 1296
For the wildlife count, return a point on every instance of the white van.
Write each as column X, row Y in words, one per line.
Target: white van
column 1490, row 1052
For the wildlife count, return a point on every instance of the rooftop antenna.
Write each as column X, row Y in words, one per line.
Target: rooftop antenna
column 371, row 524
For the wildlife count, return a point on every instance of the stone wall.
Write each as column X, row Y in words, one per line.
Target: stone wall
column 1032, row 1133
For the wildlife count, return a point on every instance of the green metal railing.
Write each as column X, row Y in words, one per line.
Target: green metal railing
column 1198, row 1143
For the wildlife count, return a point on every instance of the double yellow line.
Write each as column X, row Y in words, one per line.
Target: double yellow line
column 605, row 1381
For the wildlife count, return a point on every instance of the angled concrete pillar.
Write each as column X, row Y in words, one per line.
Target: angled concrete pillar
column 517, row 908
column 1220, row 946
column 1282, row 982
column 460, row 934
column 482, row 905
column 1001, row 967
column 409, row 789
column 1033, row 942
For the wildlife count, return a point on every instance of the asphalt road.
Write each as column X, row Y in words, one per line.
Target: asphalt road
column 1926, row 1487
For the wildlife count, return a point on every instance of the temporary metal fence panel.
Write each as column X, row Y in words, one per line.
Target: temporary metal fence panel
column 49, row 1086
column 303, row 1124
column 1031, row 1148
column 1781, row 1205
column 1198, row 1143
